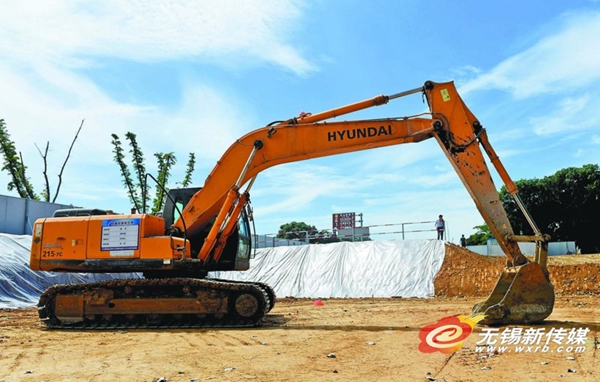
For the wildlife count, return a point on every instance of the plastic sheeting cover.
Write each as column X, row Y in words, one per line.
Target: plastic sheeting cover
column 21, row 287
column 366, row 269
column 374, row 268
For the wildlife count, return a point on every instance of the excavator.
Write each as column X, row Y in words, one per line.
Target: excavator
column 208, row 229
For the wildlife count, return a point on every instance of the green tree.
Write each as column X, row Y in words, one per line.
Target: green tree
column 15, row 166
column 125, row 173
column 481, row 235
column 296, row 230
column 565, row 205
column 137, row 158
column 300, row 231
column 165, row 163
column 139, row 190
column 187, row 179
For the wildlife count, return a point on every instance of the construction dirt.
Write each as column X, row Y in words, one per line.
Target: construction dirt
column 335, row 339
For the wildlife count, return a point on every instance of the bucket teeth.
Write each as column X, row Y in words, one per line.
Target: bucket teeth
column 522, row 295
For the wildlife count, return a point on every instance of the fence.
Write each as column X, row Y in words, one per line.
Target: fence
column 554, row 248
column 17, row 215
column 268, row 241
column 404, row 230
column 354, row 234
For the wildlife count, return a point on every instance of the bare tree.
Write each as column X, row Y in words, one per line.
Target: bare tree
column 15, row 166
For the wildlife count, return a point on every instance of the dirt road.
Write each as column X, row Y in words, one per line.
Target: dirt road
column 343, row 340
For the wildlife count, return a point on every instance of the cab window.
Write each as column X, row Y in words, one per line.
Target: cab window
column 244, row 237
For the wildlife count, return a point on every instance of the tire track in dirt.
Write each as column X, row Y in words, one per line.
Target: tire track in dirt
column 444, row 364
column 16, row 362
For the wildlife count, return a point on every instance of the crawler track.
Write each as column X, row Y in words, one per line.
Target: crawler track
column 155, row 304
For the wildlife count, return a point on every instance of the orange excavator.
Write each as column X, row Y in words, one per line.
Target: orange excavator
column 207, row 229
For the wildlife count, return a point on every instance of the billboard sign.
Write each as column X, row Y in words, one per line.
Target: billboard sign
column 344, row 220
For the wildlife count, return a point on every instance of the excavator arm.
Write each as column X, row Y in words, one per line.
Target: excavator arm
column 523, row 292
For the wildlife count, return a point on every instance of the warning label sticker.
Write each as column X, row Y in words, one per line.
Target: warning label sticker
column 120, row 234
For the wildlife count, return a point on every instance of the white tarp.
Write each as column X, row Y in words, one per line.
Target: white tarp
column 21, row 287
column 374, row 268
column 366, row 269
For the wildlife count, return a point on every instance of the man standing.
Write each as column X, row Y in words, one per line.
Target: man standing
column 440, row 226
column 463, row 241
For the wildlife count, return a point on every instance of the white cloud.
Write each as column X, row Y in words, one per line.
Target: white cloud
column 438, row 179
column 45, row 97
column 562, row 61
column 293, row 187
column 72, row 33
column 465, row 72
column 569, row 114
column 398, row 159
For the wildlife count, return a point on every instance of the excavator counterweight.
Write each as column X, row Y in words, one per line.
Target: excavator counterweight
column 207, row 229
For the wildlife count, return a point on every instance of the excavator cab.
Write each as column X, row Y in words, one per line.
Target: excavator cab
column 237, row 249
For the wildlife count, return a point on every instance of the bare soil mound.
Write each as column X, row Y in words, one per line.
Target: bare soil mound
column 465, row 273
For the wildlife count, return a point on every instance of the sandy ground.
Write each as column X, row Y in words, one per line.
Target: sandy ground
column 342, row 340
column 464, row 273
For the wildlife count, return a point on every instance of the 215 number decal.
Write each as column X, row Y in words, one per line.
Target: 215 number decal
column 52, row 254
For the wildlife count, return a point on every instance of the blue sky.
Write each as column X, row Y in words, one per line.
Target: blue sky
column 193, row 76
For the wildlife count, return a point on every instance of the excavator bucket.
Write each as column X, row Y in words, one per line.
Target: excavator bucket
column 523, row 294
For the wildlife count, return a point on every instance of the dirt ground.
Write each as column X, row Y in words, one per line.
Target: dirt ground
column 465, row 273
column 341, row 340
